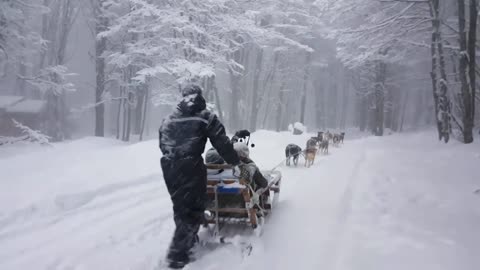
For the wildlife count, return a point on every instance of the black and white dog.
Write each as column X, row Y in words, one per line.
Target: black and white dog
column 338, row 138
column 292, row 151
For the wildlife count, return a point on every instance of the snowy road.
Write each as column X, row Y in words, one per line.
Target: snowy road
column 399, row 202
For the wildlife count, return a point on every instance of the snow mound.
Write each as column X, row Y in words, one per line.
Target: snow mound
column 297, row 128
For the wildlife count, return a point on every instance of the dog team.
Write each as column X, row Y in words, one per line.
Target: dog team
column 314, row 145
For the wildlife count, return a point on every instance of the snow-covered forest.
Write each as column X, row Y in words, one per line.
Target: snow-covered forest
column 114, row 67
column 121, row 143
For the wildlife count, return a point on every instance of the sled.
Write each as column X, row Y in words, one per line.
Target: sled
column 231, row 200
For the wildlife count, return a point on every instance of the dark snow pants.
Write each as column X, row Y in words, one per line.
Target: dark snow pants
column 186, row 181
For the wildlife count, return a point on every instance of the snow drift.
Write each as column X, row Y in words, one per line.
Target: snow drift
column 397, row 202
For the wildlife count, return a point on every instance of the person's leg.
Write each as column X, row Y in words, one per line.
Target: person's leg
column 184, row 238
column 188, row 194
column 187, row 220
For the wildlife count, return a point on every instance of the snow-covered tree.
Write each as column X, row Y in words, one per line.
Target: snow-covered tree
column 391, row 32
column 15, row 32
column 168, row 44
column 467, row 66
column 32, row 135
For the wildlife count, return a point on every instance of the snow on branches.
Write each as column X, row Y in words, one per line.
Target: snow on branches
column 29, row 135
column 189, row 40
column 377, row 30
column 182, row 69
column 52, row 79
column 16, row 38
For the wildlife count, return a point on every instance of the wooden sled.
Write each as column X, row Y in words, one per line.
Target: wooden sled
column 231, row 200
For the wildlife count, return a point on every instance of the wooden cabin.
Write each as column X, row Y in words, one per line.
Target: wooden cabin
column 29, row 112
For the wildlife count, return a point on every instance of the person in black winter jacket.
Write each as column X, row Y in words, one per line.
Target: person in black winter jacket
column 182, row 139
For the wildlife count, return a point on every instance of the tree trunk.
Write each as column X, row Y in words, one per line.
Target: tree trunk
column 371, row 113
column 45, row 28
column 138, row 111
column 268, row 84
column 145, row 110
column 119, row 112
column 124, row 119
column 433, row 73
column 466, row 101
column 379, row 98
column 343, row 112
column 255, row 95
column 267, row 113
column 472, row 39
column 67, row 19
column 217, row 100
column 319, row 106
column 303, row 104
column 22, row 68
column 235, row 78
column 403, row 111
column 332, row 101
column 125, row 106
column 56, row 29
column 129, row 123
column 207, row 90
column 363, row 113
column 388, row 108
column 234, row 86
column 360, row 103
column 280, row 107
column 243, row 111
column 100, row 47
column 442, row 102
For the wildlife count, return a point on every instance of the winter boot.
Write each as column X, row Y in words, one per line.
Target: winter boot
column 177, row 264
column 178, row 261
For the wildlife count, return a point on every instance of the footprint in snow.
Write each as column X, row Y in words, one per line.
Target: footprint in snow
column 73, row 201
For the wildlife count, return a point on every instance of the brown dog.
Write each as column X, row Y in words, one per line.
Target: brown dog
column 310, row 158
column 310, row 151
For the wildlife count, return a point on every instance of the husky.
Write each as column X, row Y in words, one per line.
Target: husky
column 292, row 151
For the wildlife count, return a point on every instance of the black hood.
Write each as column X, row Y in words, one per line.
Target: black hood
column 191, row 89
column 192, row 104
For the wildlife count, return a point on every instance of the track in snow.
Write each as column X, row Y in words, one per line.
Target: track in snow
column 345, row 211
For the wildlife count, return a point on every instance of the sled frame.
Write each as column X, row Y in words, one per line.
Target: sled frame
column 249, row 212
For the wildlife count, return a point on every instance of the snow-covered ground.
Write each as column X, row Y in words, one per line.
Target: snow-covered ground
column 397, row 202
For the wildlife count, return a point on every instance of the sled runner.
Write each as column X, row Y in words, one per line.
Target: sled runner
column 231, row 200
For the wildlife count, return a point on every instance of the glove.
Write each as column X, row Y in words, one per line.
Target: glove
column 242, row 133
column 237, row 169
column 241, row 171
